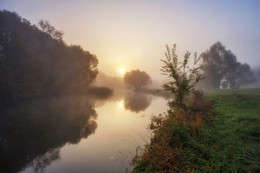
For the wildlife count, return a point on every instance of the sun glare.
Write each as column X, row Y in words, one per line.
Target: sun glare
column 121, row 104
column 122, row 71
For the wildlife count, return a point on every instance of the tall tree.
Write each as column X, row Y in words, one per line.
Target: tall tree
column 221, row 68
column 216, row 61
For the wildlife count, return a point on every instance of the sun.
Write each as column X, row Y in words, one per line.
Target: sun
column 121, row 104
column 122, row 71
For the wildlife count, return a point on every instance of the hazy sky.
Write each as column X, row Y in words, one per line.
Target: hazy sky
column 132, row 34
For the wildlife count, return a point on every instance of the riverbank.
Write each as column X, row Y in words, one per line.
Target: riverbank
column 227, row 141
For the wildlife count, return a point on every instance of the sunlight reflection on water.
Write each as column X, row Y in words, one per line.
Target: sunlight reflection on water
column 120, row 130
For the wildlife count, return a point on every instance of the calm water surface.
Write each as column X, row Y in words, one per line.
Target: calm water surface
column 76, row 134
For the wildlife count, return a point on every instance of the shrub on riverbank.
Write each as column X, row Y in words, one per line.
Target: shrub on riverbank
column 176, row 139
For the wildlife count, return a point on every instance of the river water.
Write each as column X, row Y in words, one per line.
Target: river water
column 76, row 134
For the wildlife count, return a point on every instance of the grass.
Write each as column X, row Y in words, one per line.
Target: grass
column 234, row 133
column 228, row 142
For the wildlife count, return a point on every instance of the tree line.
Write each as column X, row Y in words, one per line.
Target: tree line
column 35, row 61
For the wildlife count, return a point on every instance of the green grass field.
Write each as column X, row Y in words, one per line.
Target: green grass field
column 229, row 142
column 234, row 133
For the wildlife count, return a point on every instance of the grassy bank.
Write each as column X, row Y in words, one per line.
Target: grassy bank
column 229, row 141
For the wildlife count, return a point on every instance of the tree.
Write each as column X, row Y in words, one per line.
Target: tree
column 182, row 77
column 35, row 62
column 241, row 75
column 216, row 62
column 221, row 68
column 137, row 79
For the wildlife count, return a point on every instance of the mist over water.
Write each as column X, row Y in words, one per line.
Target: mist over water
column 48, row 133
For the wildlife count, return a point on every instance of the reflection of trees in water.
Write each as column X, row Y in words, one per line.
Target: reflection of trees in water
column 137, row 102
column 31, row 134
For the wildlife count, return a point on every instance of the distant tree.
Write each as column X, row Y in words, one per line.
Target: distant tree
column 258, row 74
column 182, row 77
column 137, row 79
column 216, row 61
column 221, row 67
column 240, row 75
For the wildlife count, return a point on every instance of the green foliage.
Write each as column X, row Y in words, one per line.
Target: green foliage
column 182, row 77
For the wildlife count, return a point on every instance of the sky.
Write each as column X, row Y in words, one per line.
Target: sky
column 132, row 34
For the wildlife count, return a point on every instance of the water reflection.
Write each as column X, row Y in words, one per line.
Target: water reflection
column 32, row 133
column 137, row 102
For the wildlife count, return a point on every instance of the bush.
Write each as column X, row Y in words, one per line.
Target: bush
column 182, row 78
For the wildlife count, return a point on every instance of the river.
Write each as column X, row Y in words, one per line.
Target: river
column 77, row 134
